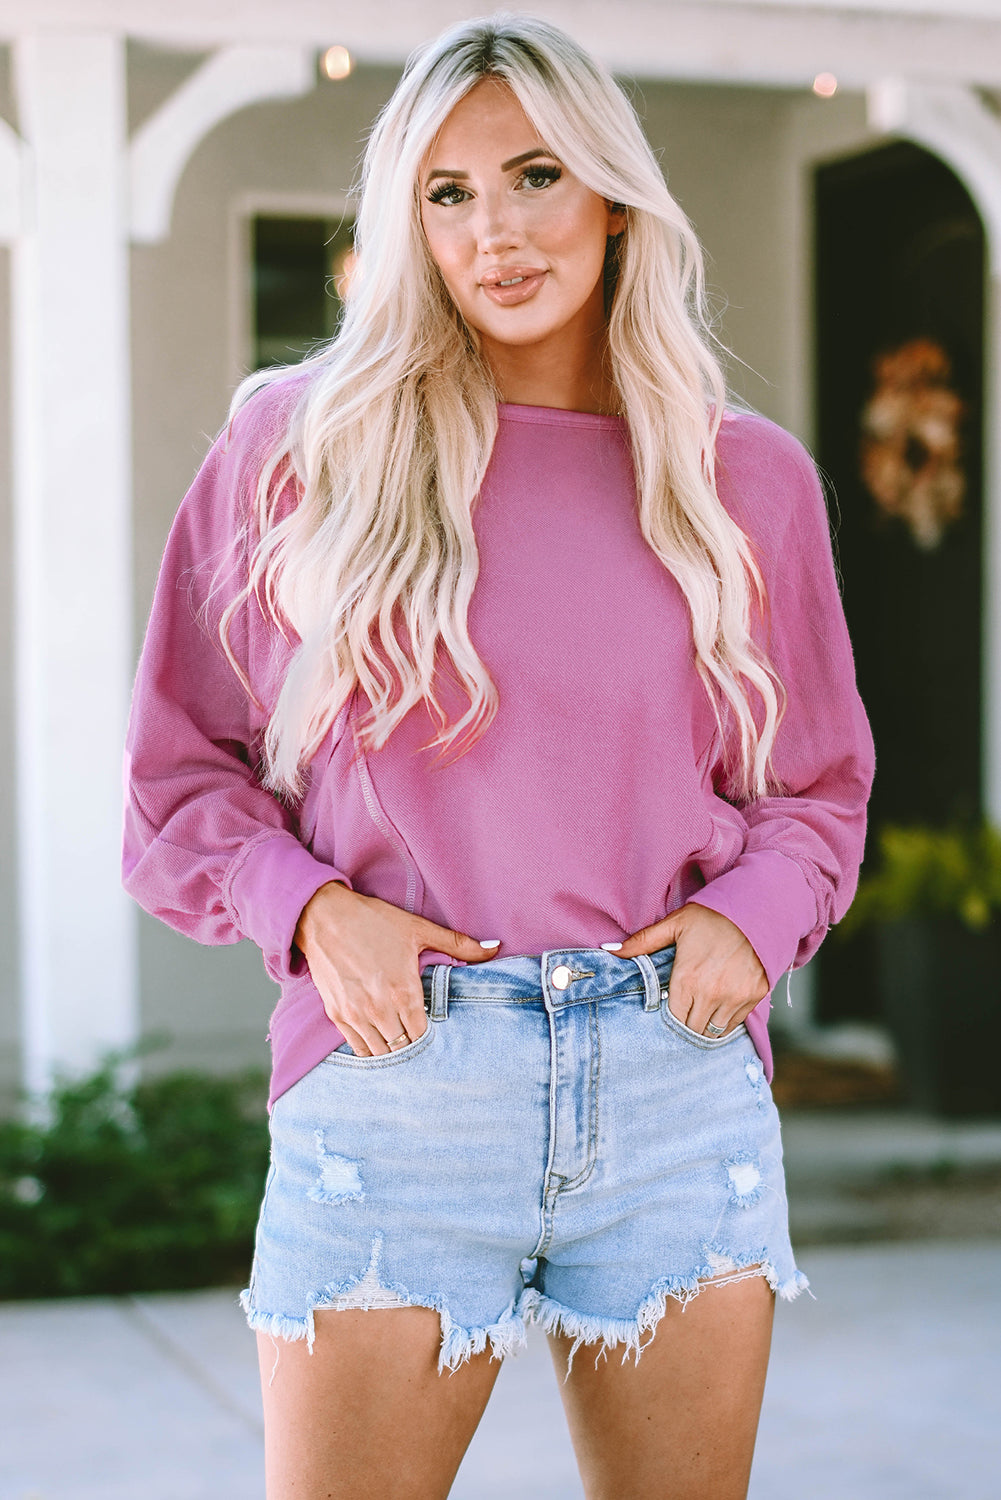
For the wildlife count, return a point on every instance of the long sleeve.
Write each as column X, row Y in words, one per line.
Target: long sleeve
column 797, row 871
column 206, row 848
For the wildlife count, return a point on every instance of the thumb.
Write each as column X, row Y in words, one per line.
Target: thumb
column 456, row 944
column 651, row 939
column 670, row 929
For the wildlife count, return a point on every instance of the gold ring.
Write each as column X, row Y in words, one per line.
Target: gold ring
column 399, row 1041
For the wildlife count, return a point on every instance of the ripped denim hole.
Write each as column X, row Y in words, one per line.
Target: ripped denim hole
column 745, row 1179
column 340, row 1177
column 756, row 1078
column 368, row 1291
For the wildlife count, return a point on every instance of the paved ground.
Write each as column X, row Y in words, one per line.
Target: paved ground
column 858, row 1176
column 886, row 1387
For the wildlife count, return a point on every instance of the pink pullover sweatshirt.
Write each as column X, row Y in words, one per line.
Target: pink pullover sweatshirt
column 595, row 803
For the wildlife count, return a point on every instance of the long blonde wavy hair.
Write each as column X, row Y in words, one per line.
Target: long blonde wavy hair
column 375, row 567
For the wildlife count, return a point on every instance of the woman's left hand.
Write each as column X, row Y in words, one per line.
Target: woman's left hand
column 717, row 975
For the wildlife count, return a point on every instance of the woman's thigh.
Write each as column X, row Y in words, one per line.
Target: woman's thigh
column 367, row 1412
column 587, row 1164
column 670, row 1160
column 409, row 1180
column 402, row 1199
column 679, row 1423
column 657, row 1283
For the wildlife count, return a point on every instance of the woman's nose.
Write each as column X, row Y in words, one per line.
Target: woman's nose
column 498, row 227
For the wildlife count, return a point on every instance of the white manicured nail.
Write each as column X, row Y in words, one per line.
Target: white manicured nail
column 493, row 943
column 611, row 947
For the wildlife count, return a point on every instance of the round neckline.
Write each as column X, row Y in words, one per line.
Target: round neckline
column 557, row 416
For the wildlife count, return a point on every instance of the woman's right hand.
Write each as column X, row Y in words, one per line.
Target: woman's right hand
column 363, row 956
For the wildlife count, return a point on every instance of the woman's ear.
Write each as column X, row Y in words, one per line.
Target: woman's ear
column 616, row 217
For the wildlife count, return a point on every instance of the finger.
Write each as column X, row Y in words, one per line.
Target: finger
column 414, row 1018
column 365, row 1020
column 410, row 1022
column 717, row 1025
column 410, row 1008
column 700, row 1009
column 353, row 1038
column 407, row 1020
column 682, row 1006
column 456, row 944
column 401, row 1036
column 373, row 1038
column 649, row 939
column 373, row 1029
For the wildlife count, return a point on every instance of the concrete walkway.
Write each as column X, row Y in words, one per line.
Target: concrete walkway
column 886, row 1387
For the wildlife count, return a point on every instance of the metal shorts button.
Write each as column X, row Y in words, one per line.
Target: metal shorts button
column 560, row 977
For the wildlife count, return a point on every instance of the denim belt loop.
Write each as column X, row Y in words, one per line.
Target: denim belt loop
column 439, row 991
column 651, row 981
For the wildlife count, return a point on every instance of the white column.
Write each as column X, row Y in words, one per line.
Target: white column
column 73, row 625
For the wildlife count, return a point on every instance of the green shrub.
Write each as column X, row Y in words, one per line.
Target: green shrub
column 149, row 1187
column 932, row 872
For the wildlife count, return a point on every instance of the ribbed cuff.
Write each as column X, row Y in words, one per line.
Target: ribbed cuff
column 768, row 897
column 271, row 885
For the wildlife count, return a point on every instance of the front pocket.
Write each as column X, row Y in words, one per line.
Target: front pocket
column 672, row 1023
column 384, row 1060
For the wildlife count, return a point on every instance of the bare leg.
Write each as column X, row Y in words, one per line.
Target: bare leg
column 367, row 1414
column 680, row 1424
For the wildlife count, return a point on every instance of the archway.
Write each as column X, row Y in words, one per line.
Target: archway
column 900, row 318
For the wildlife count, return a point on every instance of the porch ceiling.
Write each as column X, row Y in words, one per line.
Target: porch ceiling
column 782, row 42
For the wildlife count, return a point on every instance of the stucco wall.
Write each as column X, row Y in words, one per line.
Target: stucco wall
column 720, row 150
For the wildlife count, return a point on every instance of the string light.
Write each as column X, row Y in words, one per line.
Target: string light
column 337, row 63
column 825, row 85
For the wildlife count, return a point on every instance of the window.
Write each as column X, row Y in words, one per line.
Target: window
column 300, row 268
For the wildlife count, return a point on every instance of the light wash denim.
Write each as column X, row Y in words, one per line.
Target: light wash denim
column 572, row 1156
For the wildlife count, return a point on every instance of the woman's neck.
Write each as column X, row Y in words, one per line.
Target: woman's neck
column 570, row 379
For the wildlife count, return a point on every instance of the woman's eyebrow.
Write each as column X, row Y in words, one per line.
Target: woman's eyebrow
column 516, row 161
column 506, row 166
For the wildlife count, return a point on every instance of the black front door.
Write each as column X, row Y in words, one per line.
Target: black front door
column 899, row 350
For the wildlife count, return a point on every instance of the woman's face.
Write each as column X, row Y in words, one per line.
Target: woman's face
column 519, row 241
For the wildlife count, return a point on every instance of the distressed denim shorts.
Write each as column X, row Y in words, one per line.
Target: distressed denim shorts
column 556, row 1147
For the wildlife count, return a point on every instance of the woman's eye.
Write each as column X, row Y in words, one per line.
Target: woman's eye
column 449, row 193
column 540, row 177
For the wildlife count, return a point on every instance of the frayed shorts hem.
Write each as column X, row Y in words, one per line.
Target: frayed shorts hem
column 458, row 1344
column 509, row 1333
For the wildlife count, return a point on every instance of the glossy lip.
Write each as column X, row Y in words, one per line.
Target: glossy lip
column 506, row 296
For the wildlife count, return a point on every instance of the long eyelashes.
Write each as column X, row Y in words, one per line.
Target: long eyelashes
column 442, row 191
column 452, row 193
column 547, row 174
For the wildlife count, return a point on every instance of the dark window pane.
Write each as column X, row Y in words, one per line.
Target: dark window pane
column 297, row 265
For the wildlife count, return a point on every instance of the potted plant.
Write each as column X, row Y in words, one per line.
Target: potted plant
column 934, row 900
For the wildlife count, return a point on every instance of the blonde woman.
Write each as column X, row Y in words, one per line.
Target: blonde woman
column 497, row 686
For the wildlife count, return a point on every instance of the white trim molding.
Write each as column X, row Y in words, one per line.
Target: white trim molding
column 778, row 42
column 955, row 124
column 13, row 177
column 230, row 80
